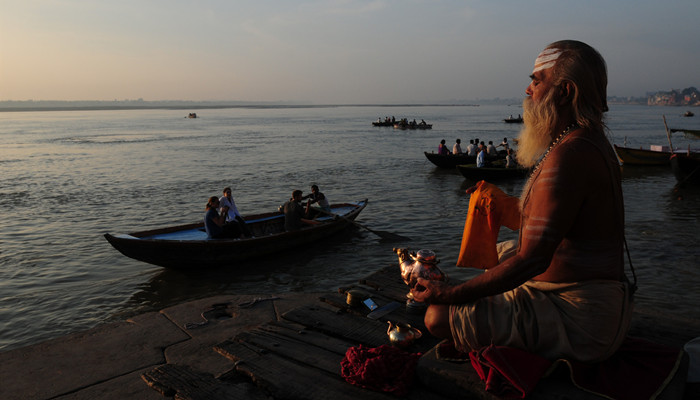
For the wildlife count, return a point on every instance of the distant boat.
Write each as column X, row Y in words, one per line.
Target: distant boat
column 688, row 114
column 382, row 123
column 192, row 115
column 512, row 120
column 695, row 132
column 412, row 125
column 657, row 155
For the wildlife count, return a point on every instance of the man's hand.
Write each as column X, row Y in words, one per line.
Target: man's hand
column 427, row 291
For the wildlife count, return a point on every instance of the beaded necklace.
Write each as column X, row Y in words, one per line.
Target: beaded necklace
column 553, row 145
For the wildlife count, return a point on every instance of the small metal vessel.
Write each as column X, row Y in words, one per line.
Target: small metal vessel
column 402, row 335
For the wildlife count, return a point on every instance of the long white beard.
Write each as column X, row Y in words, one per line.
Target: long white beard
column 540, row 121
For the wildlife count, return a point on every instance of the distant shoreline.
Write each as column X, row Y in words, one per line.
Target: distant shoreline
column 69, row 106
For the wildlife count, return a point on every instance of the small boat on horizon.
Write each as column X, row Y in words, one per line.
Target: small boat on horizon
column 513, row 120
column 187, row 246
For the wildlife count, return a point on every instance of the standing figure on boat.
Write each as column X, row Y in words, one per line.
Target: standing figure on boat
column 563, row 293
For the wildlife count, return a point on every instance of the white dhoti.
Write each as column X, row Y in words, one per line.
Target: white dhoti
column 584, row 321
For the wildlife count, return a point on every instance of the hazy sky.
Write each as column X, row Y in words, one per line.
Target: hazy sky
column 338, row 51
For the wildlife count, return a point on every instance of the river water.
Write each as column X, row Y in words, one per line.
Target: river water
column 68, row 177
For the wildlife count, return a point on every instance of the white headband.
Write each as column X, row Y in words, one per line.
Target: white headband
column 546, row 59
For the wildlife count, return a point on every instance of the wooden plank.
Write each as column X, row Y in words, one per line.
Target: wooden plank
column 353, row 328
column 284, row 378
column 182, row 383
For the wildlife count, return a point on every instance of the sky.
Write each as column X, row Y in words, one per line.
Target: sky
column 332, row 51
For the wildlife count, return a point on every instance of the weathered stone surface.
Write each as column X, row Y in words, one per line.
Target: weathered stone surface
column 79, row 360
column 129, row 386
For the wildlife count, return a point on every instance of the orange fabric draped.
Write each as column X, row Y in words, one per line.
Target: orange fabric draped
column 489, row 209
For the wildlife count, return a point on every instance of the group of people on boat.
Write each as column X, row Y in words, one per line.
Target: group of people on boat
column 481, row 151
column 223, row 221
column 406, row 124
column 296, row 215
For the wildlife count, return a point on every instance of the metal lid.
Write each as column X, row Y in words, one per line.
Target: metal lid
column 427, row 256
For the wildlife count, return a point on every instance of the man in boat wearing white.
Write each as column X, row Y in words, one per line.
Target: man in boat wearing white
column 564, row 292
column 228, row 206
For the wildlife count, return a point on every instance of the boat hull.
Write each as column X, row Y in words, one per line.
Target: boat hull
column 686, row 169
column 186, row 246
column 450, row 161
column 629, row 156
column 471, row 171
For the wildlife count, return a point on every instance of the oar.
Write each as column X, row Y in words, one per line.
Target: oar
column 386, row 236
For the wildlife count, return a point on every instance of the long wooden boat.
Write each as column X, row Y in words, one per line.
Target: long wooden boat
column 657, row 155
column 450, row 161
column 695, row 132
column 513, row 120
column 631, row 156
column 471, row 171
column 382, row 123
column 404, row 126
column 686, row 168
column 187, row 246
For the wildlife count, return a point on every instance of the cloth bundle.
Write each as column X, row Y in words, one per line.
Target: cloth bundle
column 384, row 368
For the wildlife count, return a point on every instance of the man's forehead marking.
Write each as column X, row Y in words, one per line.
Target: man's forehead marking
column 547, row 59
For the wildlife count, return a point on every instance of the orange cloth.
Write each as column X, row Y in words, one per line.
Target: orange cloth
column 489, row 209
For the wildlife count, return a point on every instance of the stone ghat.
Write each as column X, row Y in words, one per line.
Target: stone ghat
column 284, row 346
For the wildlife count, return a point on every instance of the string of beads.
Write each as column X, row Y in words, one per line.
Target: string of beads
column 556, row 141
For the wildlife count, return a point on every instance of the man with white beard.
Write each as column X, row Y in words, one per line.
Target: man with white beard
column 564, row 292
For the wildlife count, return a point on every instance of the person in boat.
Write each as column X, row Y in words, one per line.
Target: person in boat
column 442, row 149
column 564, row 293
column 228, row 206
column 471, row 149
column 295, row 214
column 510, row 162
column 457, row 149
column 316, row 197
column 215, row 222
column 491, row 149
column 505, row 145
column 481, row 157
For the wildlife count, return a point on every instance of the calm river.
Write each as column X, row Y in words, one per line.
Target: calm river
column 70, row 176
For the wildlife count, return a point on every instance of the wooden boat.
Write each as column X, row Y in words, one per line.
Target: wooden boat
column 192, row 115
column 450, row 161
column 657, row 155
column 187, row 246
column 382, row 123
column 512, row 120
column 688, row 114
column 695, row 132
column 686, row 168
column 493, row 173
column 404, row 126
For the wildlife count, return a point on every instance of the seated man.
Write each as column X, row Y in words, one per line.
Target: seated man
column 294, row 215
column 215, row 223
column 316, row 197
column 564, row 292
